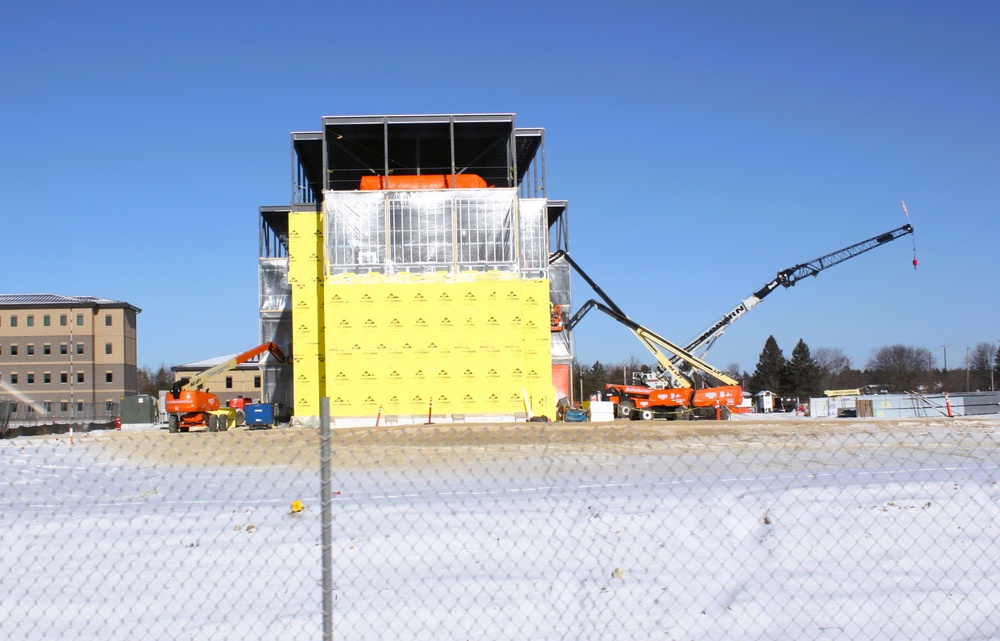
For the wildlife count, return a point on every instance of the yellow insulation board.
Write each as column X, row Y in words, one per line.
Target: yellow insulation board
column 473, row 345
column 305, row 278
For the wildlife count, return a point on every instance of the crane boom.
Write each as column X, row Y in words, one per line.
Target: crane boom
column 652, row 341
column 201, row 378
column 787, row 278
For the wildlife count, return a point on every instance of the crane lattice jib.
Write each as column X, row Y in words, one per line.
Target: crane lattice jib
column 787, row 278
column 794, row 274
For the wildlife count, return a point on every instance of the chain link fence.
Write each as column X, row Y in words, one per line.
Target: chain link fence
column 744, row 529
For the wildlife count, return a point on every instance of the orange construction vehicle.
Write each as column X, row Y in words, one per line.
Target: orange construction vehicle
column 188, row 406
column 651, row 397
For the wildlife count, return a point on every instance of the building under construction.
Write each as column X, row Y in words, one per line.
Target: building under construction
column 409, row 275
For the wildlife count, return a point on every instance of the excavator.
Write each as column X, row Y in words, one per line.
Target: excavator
column 189, row 406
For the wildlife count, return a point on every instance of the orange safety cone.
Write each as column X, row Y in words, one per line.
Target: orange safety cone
column 379, row 417
column 430, row 411
column 947, row 404
column 718, row 411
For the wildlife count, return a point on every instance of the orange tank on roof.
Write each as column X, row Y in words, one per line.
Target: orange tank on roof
column 426, row 181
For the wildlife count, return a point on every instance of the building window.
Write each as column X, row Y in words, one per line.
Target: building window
column 63, row 349
column 46, row 320
column 109, row 406
column 79, row 320
column 13, row 379
column 79, row 348
column 107, row 320
column 46, row 349
column 13, row 321
column 31, row 320
column 48, row 407
column 62, row 320
column 256, row 381
column 64, row 407
column 31, row 378
column 46, row 377
column 63, row 377
column 107, row 348
column 229, row 382
column 31, row 350
column 79, row 406
column 13, row 350
column 31, row 409
column 108, row 377
column 79, row 377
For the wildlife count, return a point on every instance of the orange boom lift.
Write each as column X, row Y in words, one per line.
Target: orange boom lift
column 188, row 406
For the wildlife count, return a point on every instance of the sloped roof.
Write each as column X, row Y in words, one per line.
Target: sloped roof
column 58, row 300
column 204, row 364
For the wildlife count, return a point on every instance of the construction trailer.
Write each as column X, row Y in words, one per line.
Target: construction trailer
column 409, row 275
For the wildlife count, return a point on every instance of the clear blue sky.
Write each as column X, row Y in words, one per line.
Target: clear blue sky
column 701, row 146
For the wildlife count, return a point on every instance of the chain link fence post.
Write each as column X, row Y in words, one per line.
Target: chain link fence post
column 326, row 500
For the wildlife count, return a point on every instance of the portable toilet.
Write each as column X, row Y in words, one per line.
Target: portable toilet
column 764, row 401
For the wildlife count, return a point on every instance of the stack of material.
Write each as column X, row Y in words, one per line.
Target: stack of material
column 600, row 411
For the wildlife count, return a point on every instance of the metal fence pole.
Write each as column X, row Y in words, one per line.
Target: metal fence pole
column 326, row 500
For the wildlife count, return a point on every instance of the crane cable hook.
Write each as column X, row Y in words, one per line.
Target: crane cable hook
column 913, row 236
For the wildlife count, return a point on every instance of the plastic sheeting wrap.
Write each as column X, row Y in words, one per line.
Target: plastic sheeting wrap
column 277, row 328
column 559, row 283
column 533, row 239
column 276, row 386
column 275, row 292
column 451, row 230
column 560, row 294
column 355, row 231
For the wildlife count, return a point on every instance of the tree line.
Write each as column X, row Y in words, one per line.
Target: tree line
column 151, row 381
column 807, row 374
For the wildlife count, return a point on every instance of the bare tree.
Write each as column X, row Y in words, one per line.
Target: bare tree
column 831, row 361
column 979, row 365
column 899, row 367
column 151, row 382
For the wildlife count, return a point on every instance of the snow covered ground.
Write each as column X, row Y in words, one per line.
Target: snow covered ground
column 866, row 530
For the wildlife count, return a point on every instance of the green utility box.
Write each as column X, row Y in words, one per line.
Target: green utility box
column 140, row 408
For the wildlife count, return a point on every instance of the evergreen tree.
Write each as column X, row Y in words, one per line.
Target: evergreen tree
column 804, row 374
column 770, row 372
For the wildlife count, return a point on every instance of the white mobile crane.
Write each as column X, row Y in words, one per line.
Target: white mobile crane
column 685, row 398
column 678, row 370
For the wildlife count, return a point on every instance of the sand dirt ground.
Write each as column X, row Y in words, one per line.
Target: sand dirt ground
column 417, row 445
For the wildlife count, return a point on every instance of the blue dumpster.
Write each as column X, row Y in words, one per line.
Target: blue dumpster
column 259, row 415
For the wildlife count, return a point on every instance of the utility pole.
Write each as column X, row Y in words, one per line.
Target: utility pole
column 966, row 369
column 944, row 369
